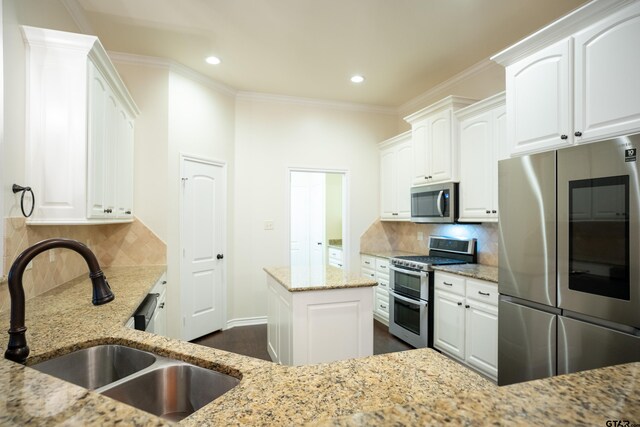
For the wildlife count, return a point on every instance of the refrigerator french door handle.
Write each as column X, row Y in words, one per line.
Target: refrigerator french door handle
column 439, row 202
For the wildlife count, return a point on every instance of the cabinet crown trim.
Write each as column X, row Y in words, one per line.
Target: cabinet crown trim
column 86, row 45
column 482, row 106
column 453, row 102
column 566, row 26
column 404, row 136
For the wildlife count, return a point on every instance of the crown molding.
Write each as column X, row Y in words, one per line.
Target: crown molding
column 78, row 16
column 482, row 106
column 404, row 136
column 314, row 102
column 415, row 103
column 172, row 66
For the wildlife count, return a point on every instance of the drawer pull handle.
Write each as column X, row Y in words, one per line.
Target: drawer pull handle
column 447, row 284
column 383, row 306
column 367, row 262
column 486, row 294
column 383, row 266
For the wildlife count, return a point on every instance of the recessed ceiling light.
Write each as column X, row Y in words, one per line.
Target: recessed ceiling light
column 213, row 60
column 357, row 79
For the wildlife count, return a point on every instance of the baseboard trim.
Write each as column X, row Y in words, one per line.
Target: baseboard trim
column 246, row 321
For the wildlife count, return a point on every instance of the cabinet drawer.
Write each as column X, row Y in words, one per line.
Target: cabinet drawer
column 383, row 283
column 335, row 263
column 335, row 254
column 368, row 273
column 483, row 291
column 449, row 282
column 382, row 303
column 368, row 262
column 382, row 265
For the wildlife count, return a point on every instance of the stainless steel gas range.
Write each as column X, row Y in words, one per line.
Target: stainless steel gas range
column 411, row 287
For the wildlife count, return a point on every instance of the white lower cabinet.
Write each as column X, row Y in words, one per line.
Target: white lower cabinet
column 323, row 326
column 466, row 321
column 160, row 316
column 377, row 268
column 335, row 257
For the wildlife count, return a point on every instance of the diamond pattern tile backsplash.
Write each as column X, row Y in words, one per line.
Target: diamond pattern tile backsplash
column 114, row 245
column 384, row 236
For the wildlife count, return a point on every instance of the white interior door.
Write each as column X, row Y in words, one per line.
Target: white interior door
column 202, row 240
column 308, row 219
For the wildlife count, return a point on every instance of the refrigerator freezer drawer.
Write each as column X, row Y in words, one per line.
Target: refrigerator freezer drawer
column 526, row 343
column 583, row 346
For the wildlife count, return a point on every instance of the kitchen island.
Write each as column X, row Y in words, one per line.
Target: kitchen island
column 415, row 387
column 318, row 314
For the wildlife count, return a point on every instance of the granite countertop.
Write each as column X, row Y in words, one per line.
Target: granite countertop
column 410, row 387
column 477, row 271
column 298, row 279
column 388, row 254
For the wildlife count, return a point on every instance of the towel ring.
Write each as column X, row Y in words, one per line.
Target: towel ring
column 18, row 188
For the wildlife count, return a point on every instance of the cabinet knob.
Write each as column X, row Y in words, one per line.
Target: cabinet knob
column 564, row 137
column 161, row 305
column 494, row 211
column 578, row 133
column 467, row 306
column 128, row 212
column 219, row 256
column 430, row 177
column 164, row 282
column 459, row 303
column 488, row 211
column 395, row 213
column 426, row 177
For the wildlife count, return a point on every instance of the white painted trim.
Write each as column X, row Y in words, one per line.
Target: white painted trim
column 453, row 102
column 466, row 74
column 246, row 321
column 481, row 106
column 223, row 165
column 394, row 140
column 314, row 102
column 346, row 223
column 78, row 15
column 151, row 61
column 2, row 156
column 566, row 26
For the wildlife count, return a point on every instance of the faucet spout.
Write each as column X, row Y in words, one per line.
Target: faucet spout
column 17, row 349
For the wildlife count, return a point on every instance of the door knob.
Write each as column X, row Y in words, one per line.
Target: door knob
column 219, row 256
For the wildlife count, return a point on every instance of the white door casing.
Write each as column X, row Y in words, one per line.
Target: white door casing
column 202, row 237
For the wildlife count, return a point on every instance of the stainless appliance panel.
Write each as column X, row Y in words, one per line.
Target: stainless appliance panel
column 410, row 283
column 526, row 343
column 598, row 229
column 436, row 203
column 527, row 202
column 408, row 320
column 583, row 346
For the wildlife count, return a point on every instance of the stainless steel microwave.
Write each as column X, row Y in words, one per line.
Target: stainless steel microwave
column 436, row 203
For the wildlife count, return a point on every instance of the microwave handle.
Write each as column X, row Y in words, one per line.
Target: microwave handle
column 409, row 272
column 439, row 202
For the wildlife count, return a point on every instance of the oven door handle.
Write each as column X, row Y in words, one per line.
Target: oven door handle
column 409, row 300
column 409, row 272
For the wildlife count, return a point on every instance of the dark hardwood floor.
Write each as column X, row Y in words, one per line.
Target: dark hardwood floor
column 252, row 341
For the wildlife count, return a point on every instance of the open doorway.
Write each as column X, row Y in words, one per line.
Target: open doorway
column 317, row 220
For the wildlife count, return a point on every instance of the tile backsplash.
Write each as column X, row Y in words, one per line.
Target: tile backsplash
column 383, row 236
column 113, row 244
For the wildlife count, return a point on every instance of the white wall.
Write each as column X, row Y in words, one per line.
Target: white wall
column 202, row 124
column 272, row 136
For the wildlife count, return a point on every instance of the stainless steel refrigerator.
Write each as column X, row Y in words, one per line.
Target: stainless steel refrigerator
column 569, row 260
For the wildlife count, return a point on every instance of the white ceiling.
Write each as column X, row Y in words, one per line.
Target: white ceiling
column 310, row 48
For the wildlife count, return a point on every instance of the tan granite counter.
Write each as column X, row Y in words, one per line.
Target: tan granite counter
column 477, row 271
column 388, row 254
column 414, row 387
column 297, row 279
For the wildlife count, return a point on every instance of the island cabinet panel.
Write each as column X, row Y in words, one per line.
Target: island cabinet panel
column 318, row 326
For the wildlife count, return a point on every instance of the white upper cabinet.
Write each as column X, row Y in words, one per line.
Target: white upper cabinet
column 434, row 141
column 538, row 91
column 80, row 128
column 607, row 66
column 482, row 140
column 395, row 177
column 575, row 81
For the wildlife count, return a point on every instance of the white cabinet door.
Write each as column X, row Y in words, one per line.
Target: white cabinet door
column 607, row 87
column 539, row 98
column 419, row 142
column 404, row 157
column 388, row 177
column 440, row 148
column 448, row 323
column 124, row 167
column 482, row 337
column 477, row 167
column 97, row 147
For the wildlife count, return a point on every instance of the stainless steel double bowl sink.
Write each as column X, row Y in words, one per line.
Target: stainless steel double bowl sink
column 164, row 387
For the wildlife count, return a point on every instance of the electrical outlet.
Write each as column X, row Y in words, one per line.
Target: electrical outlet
column 268, row 225
column 52, row 255
column 420, row 235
